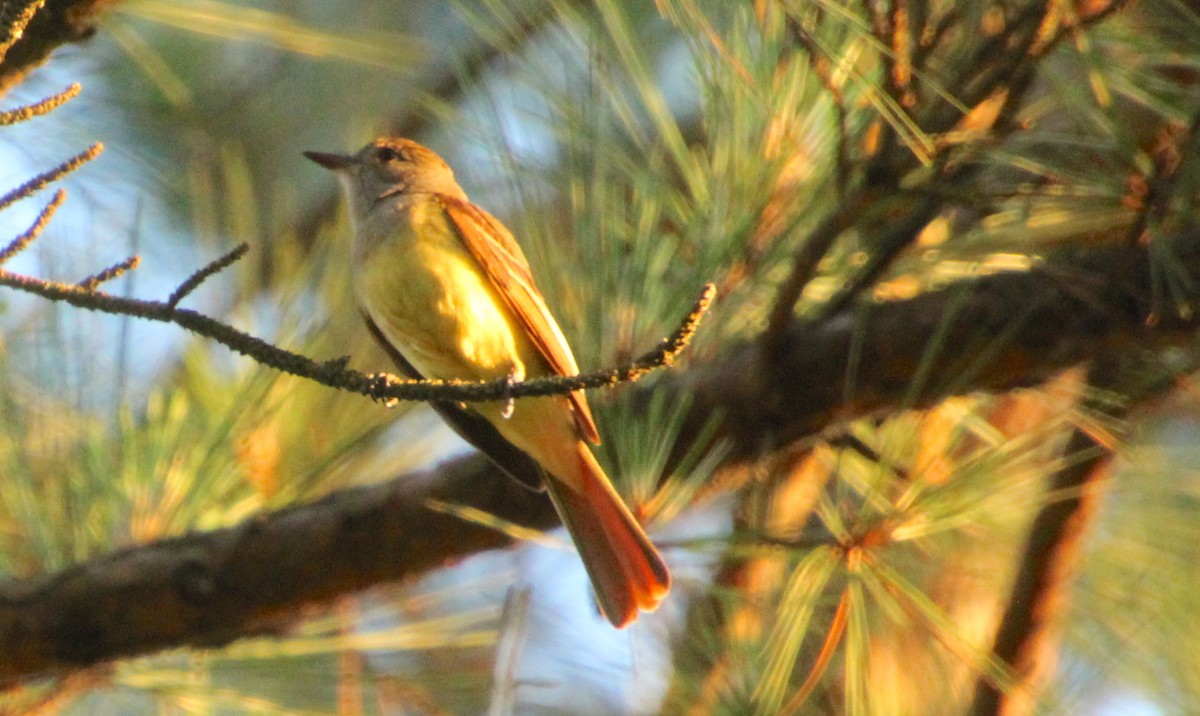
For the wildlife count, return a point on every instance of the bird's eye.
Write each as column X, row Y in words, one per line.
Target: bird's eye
column 388, row 154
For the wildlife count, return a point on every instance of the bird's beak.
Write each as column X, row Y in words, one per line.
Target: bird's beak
column 332, row 162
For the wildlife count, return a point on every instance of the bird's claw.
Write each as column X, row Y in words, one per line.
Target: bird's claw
column 385, row 380
column 506, row 412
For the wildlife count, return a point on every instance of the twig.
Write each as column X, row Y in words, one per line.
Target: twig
column 91, row 283
column 45, row 106
column 40, row 181
column 898, row 236
column 193, row 282
column 20, row 243
column 993, row 63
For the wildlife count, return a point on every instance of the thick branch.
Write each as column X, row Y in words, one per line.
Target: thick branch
column 211, row 588
column 1027, row 636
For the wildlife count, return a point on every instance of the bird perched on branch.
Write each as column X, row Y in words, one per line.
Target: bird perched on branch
column 446, row 290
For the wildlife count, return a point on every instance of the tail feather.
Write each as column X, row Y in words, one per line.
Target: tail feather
column 626, row 570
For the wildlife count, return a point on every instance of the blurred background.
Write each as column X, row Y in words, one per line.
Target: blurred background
column 637, row 150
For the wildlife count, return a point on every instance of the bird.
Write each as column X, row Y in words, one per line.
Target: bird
column 446, row 290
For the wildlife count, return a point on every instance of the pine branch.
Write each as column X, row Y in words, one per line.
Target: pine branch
column 383, row 387
column 1027, row 636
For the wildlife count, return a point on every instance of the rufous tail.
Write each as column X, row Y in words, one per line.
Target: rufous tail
column 626, row 570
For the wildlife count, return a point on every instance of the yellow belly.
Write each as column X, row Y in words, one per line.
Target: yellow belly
column 432, row 301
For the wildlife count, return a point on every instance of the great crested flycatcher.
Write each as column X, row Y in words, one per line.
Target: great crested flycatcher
column 446, row 290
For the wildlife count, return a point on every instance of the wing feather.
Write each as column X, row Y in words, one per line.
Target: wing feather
column 506, row 267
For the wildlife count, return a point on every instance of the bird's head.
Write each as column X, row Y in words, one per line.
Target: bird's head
column 389, row 167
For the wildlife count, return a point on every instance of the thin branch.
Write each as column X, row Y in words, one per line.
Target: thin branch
column 40, row 181
column 885, row 248
column 30, row 235
column 45, row 106
column 380, row 386
column 994, row 60
column 998, row 59
column 193, row 282
column 804, row 267
column 91, row 283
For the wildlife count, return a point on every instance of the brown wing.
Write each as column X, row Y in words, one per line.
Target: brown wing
column 498, row 253
column 477, row 431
